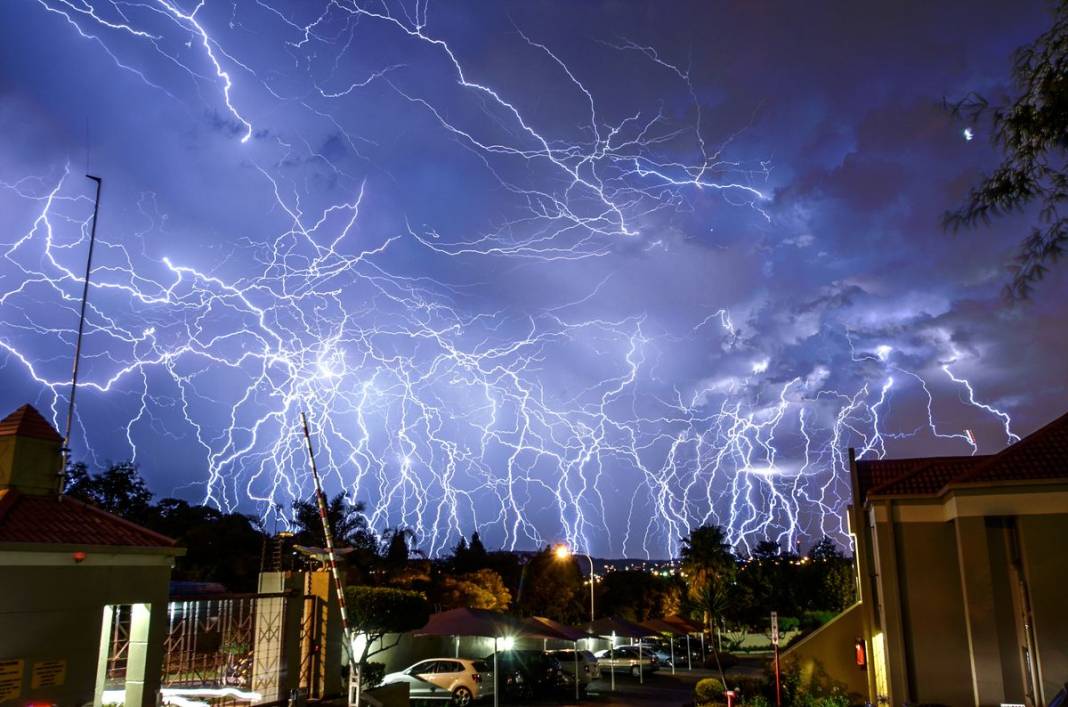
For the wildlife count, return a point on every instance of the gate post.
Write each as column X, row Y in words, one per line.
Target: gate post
column 276, row 651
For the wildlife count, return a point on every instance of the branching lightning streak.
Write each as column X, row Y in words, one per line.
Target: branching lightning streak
column 438, row 416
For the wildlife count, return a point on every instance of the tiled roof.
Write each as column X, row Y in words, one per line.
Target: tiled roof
column 930, row 477
column 27, row 422
column 1040, row 456
column 51, row 519
column 872, row 473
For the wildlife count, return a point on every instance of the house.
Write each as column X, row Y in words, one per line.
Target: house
column 963, row 570
column 962, row 573
column 83, row 593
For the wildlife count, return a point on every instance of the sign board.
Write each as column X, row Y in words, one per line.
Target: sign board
column 774, row 628
column 48, row 673
column 10, row 679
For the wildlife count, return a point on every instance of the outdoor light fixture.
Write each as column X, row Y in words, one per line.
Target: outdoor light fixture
column 562, row 552
column 507, row 643
column 79, row 556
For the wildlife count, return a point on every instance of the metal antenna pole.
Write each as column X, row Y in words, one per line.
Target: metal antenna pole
column 78, row 341
column 339, row 589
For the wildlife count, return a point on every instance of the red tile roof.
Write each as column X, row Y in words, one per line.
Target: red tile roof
column 50, row 519
column 929, row 477
column 27, row 422
column 1040, row 456
column 872, row 473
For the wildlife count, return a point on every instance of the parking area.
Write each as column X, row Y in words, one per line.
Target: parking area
column 661, row 688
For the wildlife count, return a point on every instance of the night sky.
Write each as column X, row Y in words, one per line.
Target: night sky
column 595, row 272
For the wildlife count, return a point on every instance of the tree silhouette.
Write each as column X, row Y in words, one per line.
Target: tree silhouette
column 347, row 522
column 119, row 489
column 1031, row 130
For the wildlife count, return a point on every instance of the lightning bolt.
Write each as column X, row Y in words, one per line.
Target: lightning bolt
column 436, row 413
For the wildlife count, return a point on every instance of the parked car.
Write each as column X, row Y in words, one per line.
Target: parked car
column 588, row 669
column 458, row 680
column 627, row 659
column 529, row 673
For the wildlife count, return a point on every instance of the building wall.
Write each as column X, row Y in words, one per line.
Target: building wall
column 55, row 613
column 936, row 641
column 830, row 651
column 1045, row 557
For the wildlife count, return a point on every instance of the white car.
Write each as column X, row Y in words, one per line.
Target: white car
column 626, row 659
column 459, row 680
column 589, row 670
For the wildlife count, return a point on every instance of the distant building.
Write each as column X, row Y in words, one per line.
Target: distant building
column 962, row 569
column 83, row 593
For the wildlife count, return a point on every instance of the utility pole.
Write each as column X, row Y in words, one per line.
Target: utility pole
column 339, row 588
column 78, row 340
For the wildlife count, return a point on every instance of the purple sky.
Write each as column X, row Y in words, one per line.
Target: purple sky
column 592, row 272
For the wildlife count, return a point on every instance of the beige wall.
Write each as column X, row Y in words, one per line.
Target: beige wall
column 30, row 464
column 55, row 612
column 830, row 649
column 1045, row 549
column 933, row 614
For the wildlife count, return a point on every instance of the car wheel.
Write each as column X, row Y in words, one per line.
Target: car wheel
column 635, row 671
column 461, row 697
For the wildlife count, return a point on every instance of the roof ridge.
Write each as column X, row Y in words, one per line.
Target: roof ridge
column 26, row 421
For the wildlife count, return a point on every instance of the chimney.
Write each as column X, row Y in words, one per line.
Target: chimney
column 30, row 457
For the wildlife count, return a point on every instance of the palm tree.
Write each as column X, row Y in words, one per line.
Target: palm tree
column 347, row 522
column 710, row 566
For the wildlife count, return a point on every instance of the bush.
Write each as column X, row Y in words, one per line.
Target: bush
column 749, row 687
column 758, row 701
column 708, row 690
column 836, row 699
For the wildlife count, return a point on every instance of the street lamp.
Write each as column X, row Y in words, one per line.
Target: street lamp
column 563, row 552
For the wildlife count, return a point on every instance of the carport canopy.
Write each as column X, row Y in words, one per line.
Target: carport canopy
column 615, row 625
column 683, row 623
column 483, row 623
column 659, row 627
column 562, row 632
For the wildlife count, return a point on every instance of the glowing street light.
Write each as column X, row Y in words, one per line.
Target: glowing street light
column 563, row 552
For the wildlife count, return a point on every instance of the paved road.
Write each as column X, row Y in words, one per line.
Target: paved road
column 661, row 689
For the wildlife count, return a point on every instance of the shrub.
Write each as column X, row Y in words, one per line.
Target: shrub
column 749, row 687
column 708, row 690
column 758, row 701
